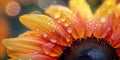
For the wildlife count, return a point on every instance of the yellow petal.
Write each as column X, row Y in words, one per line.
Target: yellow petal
column 37, row 22
column 46, row 26
column 81, row 7
column 67, row 19
column 106, row 8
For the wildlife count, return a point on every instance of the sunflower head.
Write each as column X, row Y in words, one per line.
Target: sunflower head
column 89, row 48
column 73, row 33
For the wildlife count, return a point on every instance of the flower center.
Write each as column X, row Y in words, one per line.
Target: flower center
column 89, row 48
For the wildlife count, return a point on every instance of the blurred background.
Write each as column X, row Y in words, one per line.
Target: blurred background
column 10, row 10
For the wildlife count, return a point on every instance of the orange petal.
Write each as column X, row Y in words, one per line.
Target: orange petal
column 4, row 33
column 102, row 27
column 47, row 47
column 52, row 49
column 34, row 56
column 67, row 19
column 46, row 26
column 22, row 45
column 18, row 46
column 116, row 16
column 115, row 37
column 103, row 20
column 77, row 6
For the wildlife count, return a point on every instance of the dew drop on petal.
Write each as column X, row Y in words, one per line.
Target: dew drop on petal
column 35, row 52
column 69, row 30
column 66, row 24
column 62, row 19
column 103, row 19
column 48, row 23
column 51, row 30
column 96, row 25
column 45, row 35
column 90, row 23
column 58, row 21
column 58, row 14
column 48, row 47
column 53, row 40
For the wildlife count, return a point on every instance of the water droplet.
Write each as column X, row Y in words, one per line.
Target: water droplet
column 35, row 52
column 58, row 21
column 53, row 39
column 45, row 35
column 103, row 19
column 52, row 30
column 62, row 19
column 90, row 23
column 58, row 14
column 66, row 24
column 96, row 25
column 48, row 23
column 69, row 30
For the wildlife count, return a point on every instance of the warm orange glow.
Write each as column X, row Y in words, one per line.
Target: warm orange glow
column 48, row 35
column 4, row 31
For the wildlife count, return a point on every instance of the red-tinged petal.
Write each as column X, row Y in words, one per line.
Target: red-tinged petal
column 46, row 26
column 18, row 46
column 52, row 49
column 89, row 28
column 35, row 35
column 34, row 56
column 117, row 45
column 102, row 27
column 118, row 52
column 48, row 48
column 115, row 36
column 21, row 45
column 103, row 20
column 67, row 19
column 77, row 6
column 116, row 16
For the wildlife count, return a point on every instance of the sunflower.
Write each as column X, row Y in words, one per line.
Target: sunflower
column 69, row 34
